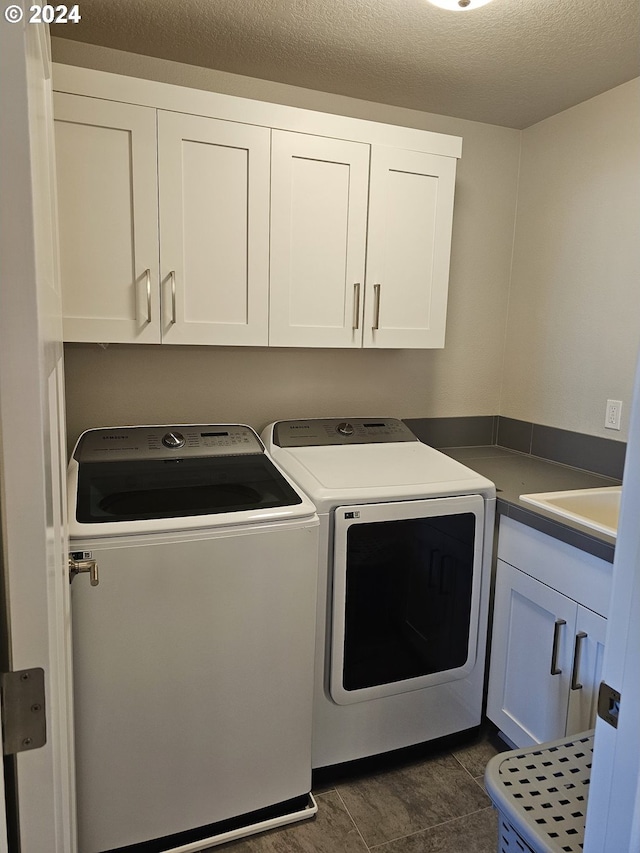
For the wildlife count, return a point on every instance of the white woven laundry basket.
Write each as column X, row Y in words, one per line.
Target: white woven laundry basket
column 541, row 795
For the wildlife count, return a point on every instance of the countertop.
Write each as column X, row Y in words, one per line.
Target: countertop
column 516, row 474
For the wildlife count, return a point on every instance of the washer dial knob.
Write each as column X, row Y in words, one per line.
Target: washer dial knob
column 174, row 440
column 345, row 428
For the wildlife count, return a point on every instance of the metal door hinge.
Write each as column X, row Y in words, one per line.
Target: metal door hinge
column 608, row 704
column 23, row 710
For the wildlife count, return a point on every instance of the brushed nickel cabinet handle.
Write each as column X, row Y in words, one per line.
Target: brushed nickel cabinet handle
column 555, row 670
column 376, row 309
column 577, row 652
column 147, row 273
column 356, row 306
column 172, row 276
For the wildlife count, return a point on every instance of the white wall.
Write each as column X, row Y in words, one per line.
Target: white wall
column 137, row 384
column 574, row 311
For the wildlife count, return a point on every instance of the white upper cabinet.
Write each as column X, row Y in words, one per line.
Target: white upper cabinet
column 322, row 196
column 108, row 213
column 189, row 217
column 214, row 230
column 203, row 279
column 408, row 248
column 319, row 191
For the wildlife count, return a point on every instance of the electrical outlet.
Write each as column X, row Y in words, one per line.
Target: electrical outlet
column 612, row 417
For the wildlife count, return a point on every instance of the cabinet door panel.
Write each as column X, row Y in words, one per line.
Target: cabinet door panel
column 409, row 240
column 525, row 700
column 583, row 696
column 108, row 213
column 214, row 230
column 318, row 233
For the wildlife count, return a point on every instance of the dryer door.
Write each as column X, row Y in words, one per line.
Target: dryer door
column 406, row 595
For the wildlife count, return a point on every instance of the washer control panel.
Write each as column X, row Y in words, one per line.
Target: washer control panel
column 166, row 442
column 326, row 432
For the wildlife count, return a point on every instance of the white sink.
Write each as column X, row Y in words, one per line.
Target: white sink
column 595, row 508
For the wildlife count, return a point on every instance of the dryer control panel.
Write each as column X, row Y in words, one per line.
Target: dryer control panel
column 327, row 432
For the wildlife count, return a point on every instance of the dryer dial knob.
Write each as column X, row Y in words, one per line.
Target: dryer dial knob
column 173, row 440
column 345, row 428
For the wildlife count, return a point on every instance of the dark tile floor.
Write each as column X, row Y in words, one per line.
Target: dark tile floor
column 434, row 804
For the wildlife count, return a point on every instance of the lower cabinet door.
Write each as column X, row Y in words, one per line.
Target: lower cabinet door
column 531, row 658
column 589, row 640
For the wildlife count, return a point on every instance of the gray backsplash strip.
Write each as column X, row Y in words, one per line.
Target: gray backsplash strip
column 591, row 453
column 516, row 435
column 454, row 432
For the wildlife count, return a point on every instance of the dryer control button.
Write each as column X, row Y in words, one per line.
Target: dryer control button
column 173, row 440
column 345, row 428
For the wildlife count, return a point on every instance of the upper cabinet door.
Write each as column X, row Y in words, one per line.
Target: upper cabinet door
column 108, row 215
column 409, row 244
column 214, row 230
column 318, row 240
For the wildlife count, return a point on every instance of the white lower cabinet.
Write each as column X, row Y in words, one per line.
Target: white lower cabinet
column 547, row 646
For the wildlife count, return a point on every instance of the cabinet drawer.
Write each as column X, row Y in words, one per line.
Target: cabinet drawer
column 575, row 573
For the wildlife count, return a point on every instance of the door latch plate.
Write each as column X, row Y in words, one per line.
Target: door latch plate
column 23, row 710
column 608, row 704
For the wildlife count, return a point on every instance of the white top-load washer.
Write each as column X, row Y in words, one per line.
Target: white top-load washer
column 406, row 538
column 193, row 644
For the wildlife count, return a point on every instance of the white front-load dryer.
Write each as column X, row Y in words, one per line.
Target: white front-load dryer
column 406, row 537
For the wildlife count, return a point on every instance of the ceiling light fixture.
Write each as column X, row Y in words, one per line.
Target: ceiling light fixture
column 459, row 5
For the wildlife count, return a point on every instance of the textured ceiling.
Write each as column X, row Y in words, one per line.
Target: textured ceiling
column 512, row 62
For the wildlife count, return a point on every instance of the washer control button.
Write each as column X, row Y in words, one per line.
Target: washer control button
column 345, row 428
column 173, row 440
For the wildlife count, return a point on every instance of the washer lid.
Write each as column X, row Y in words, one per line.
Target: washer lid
column 376, row 472
column 156, row 488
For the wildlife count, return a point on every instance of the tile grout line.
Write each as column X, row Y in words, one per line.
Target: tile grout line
column 466, row 770
column 351, row 818
column 427, row 829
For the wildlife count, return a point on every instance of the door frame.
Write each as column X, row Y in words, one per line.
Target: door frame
column 32, row 436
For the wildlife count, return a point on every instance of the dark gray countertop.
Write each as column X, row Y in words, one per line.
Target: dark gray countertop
column 516, row 474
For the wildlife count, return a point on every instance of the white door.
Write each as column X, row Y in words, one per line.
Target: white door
column 408, row 248
column 32, row 454
column 108, row 202
column 318, row 239
column 613, row 815
column 214, row 230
